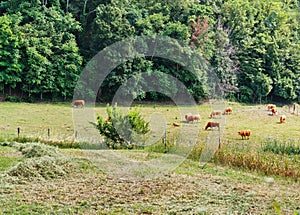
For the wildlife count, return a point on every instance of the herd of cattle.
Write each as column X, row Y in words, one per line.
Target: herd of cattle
column 196, row 118
column 243, row 133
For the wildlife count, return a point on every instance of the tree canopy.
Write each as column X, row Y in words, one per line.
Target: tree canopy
column 252, row 46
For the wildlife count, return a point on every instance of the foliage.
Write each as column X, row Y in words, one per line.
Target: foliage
column 123, row 130
column 252, row 46
column 265, row 37
column 44, row 56
column 281, row 147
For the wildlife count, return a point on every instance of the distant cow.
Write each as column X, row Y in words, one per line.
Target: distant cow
column 271, row 106
column 245, row 133
column 282, row 118
column 215, row 113
column 175, row 124
column 274, row 111
column 77, row 103
column 212, row 125
column 228, row 110
column 192, row 118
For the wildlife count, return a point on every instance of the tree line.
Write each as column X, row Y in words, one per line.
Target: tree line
column 253, row 46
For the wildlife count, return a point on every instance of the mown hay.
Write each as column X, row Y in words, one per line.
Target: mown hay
column 31, row 150
column 42, row 163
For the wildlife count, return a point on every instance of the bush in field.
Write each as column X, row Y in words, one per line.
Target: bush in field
column 123, row 130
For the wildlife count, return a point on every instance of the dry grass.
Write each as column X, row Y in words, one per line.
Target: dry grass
column 87, row 189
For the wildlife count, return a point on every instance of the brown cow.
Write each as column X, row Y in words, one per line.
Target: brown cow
column 245, row 133
column 282, row 118
column 192, row 118
column 274, row 111
column 175, row 124
column 196, row 117
column 212, row 125
column 215, row 113
column 228, row 110
column 271, row 106
column 77, row 103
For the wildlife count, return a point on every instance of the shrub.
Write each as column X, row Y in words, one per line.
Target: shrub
column 123, row 130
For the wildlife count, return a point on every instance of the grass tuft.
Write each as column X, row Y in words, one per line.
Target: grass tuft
column 261, row 161
column 289, row 147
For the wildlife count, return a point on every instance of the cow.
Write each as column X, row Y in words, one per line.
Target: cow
column 271, row 106
column 175, row 124
column 212, row 125
column 282, row 118
column 215, row 113
column 228, row 110
column 274, row 111
column 244, row 133
column 77, row 103
column 192, row 118
column 196, row 117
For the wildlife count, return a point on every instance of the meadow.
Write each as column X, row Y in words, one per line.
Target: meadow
column 257, row 176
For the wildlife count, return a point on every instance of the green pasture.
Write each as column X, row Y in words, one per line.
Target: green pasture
column 36, row 178
column 34, row 120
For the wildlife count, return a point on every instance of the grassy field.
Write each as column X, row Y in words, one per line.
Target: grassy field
column 241, row 179
column 35, row 120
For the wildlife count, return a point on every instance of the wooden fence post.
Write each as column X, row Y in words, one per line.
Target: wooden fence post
column 48, row 132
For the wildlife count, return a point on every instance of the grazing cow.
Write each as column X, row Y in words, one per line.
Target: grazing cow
column 77, row 103
column 244, row 133
column 212, row 125
column 196, row 117
column 192, row 118
column 228, row 110
column 175, row 124
column 274, row 111
column 215, row 113
column 271, row 106
column 282, row 118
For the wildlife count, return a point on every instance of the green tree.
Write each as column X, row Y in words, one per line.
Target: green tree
column 49, row 55
column 10, row 65
column 265, row 36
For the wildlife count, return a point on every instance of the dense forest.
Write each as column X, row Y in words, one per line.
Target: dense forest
column 253, row 46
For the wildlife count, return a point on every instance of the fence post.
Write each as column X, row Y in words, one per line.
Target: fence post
column 165, row 138
column 19, row 132
column 219, row 139
column 48, row 132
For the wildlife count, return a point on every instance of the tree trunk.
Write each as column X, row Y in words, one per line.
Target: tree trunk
column 67, row 7
column 84, row 8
